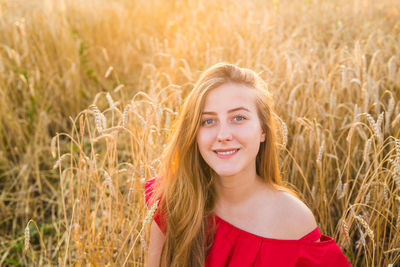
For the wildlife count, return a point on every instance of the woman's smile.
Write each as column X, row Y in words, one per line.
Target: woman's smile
column 226, row 153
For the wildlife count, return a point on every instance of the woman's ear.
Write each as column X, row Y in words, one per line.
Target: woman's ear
column 262, row 137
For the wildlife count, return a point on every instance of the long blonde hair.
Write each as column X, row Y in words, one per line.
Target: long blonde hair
column 186, row 187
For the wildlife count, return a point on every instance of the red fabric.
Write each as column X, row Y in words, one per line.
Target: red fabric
column 234, row 247
column 148, row 192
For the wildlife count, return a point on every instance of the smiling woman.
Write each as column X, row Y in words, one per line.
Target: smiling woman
column 222, row 202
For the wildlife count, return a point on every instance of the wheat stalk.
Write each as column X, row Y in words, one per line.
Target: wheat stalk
column 320, row 153
column 367, row 149
column 339, row 188
column 361, row 241
column 58, row 162
column 345, row 230
column 108, row 72
column 53, row 146
column 375, row 127
column 125, row 115
column 108, row 182
column 284, row 131
column 396, row 163
column 146, row 221
column 99, row 117
column 110, row 100
column 369, row 231
column 389, row 113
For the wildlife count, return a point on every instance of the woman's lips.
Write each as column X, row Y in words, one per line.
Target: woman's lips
column 226, row 153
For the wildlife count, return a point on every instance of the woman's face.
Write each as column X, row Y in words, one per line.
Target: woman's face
column 230, row 132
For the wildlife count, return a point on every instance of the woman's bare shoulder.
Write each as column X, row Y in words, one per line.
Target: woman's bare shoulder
column 296, row 219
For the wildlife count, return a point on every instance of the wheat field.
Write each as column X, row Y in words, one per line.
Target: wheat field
column 90, row 89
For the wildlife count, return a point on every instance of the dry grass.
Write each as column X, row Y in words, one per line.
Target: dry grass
column 109, row 77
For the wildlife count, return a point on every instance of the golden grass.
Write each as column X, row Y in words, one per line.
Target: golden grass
column 109, row 77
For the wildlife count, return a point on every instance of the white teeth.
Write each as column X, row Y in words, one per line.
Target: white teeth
column 226, row 153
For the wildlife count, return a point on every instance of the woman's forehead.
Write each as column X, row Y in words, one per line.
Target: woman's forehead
column 230, row 96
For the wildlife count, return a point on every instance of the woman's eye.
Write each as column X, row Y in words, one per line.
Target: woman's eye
column 207, row 122
column 239, row 118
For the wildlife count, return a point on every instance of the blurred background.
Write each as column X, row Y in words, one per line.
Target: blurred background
column 89, row 90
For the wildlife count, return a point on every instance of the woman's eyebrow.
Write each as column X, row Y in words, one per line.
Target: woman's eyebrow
column 229, row 111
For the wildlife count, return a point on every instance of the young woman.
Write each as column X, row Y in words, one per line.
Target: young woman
column 221, row 199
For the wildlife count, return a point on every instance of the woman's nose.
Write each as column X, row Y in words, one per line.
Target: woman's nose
column 224, row 133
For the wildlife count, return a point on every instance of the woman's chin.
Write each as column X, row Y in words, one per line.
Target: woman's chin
column 225, row 173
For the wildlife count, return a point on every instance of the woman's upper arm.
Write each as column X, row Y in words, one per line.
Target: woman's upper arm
column 157, row 239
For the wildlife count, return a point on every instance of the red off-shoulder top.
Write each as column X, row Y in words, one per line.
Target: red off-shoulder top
column 234, row 247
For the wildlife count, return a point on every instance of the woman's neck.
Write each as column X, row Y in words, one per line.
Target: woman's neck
column 235, row 190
